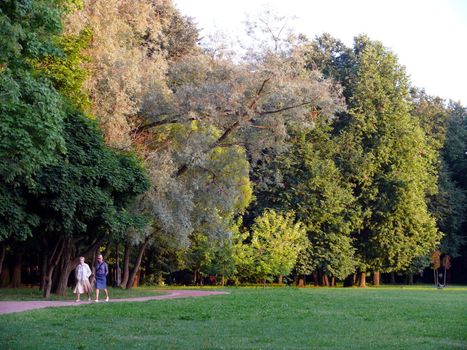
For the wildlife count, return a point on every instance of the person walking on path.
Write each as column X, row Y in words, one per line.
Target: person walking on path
column 82, row 273
column 101, row 277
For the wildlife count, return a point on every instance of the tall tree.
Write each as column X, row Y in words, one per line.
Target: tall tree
column 391, row 164
column 444, row 125
column 312, row 185
column 335, row 60
column 30, row 108
column 276, row 243
column 82, row 199
column 454, row 155
column 132, row 43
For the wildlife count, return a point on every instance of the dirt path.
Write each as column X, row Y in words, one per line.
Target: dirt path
column 8, row 307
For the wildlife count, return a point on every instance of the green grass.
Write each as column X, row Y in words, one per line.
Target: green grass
column 36, row 294
column 254, row 318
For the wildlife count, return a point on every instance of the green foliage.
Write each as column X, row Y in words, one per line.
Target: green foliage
column 32, row 121
column 56, row 173
column 200, row 254
column 451, row 203
column 243, row 258
column 275, row 244
column 418, row 264
column 313, row 187
column 15, row 219
column 448, row 207
column 210, row 195
column 306, row 264
column 333, row 59
column 211, row 256
column 271, row 249
column 67, row 72
column 391, row 163
column 223, row 263
column 366, row 184
column 433, row 116
column 454, row 151
column 323, row 200
column 446, row 130
column 89, row 189
column 31, row 110
column 28, row 29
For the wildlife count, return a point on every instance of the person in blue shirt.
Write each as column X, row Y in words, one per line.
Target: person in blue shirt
column 101, row 277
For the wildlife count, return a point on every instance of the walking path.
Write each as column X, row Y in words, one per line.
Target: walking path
column 8, row 307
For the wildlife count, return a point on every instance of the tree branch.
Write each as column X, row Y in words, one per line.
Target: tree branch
column 236, row 125
column 258, row 93
column 155, row 123
column 284, row 109
column 261, row 127
column 93, row 246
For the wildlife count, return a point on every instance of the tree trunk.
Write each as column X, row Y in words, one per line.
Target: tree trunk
column 325, row 280
column 16, row 278
column 51, row 264
column 393, row 278
column 349, row 281
column 69, row 259
column 280, row 279
column 2, row 256
column 137, row 264
column 6, row 276
column 223, row 280
column 301, row 281
column 48, row 282
column 376, row 278
column 136, row 279
column 362, row 280
column 43, row 271
column 126, row 265
column 410, row 278
column 118, row 271
column 63, row 278
column 333, row 281
column 65, row 267
column 315, row 278
column 105, row 253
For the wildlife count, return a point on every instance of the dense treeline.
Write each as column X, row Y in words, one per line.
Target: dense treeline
column 182, row 163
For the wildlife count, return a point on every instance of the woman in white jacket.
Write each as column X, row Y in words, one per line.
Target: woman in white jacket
column 82, row 273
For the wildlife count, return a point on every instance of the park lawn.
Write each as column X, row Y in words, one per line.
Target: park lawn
column 36, row 294
column 254, row 318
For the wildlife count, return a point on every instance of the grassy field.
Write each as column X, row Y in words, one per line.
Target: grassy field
column 36, row 294
column 254, row 318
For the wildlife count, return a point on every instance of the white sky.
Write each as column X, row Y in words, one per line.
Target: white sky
column 429, row 36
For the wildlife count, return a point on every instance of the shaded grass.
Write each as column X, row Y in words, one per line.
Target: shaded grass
column 36, row 294
column 254, row 318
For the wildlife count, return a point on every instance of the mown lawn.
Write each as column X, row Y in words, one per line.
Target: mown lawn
column 254, row 318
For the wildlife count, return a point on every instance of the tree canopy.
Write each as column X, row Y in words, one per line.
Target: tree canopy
column 121, row 134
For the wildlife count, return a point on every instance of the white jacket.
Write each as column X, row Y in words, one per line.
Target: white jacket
column 82, row 272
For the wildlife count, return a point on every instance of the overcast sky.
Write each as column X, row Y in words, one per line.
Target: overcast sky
column 429, row 36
